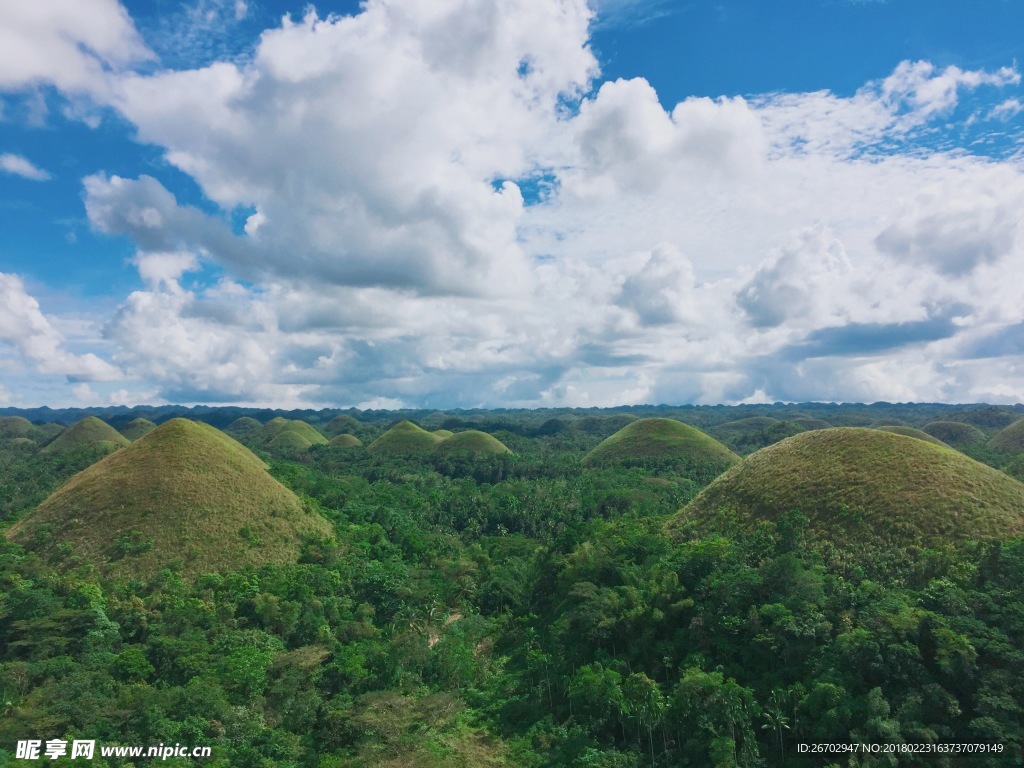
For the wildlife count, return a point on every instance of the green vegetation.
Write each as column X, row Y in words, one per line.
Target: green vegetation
column 912, row 432
column 276, row 427
column 809, row 424
column 90, row 431
column 747, row 435
column 340, row 425
column 345, row 441
column 404, row 437
column 15, row 426
column 137, row 428
column 864, row 488
column 472, row 443
column 188, row 488
column 1010, row 439
column 513, row 610
column 442, row 433
column 991, row 418
column 955, row 433
column 288, row 442
column 664, row 442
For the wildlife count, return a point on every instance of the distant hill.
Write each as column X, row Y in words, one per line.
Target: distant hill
column 807, row 424
column 275, row 427
column 404, row 437
column 472, row 443
column 289, row 441
column 958, row 434
column 664, row 442
column 865, row 487
column 746, row 435
column 91, row 432
column 992, row 418
column 442, row 433
column 184, row 493
column 136, row 428
column 911, row 432
column 243, row 427
column 345, row 441
column 1010, row 439
column 16, row 426
column 341, row 424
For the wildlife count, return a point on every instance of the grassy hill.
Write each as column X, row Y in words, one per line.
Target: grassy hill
column 865, row 488
column 1010, row 439
column 276, row 426
column 747, row 435
column 442, row 433
column 185, row 492
column 289, row 441
column 958, row 434
column 136, row 428
column 345, row 441
column 16, row 426
column 90, row 431
column 911, row 432
column 808, row 424
column 341, row 424
column 991, row 417
column 664, row 442
column 404, row 437
column 243, row 427
column 472, row 443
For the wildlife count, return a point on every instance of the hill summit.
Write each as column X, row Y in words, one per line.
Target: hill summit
column 184, row 492
column 90, row 431
column 865, row 487
column 404, row 437
column 664, row 441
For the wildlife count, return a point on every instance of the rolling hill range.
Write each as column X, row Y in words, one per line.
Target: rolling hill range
column 91, row 432
column 184, row 492
column 664, row 442
column 864, row 487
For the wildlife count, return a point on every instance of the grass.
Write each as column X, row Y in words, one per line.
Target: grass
column 808, row 424
column 345, row 441
column 289, row 441
column 956, row 433
column 136, row 428
column 16, row 426
column 472, row 443
column 911, row 432
column 276, row 426
column 341, row 424
column 864, row 488
column 442, row 433
column 1010, row 439
column 404, row 437
column 243, row 427
column 185, row 494
column 663, row 441
column 88, row 431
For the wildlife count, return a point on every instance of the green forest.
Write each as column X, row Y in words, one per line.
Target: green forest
column 622, row 588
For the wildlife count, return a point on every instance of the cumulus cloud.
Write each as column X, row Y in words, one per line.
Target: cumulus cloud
column 24, row 326
column 17, row 165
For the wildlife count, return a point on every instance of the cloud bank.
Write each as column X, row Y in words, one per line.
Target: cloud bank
column 440, row 204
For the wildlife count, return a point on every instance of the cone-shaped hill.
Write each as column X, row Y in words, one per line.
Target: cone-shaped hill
column 864, row 490
column 242, row 427
column 808, row 423
column 663, row 442
column 185, row 492
column 911, row 432
column 1010, row 439
column 289, row 441
column 136, row 428
column 955, row 433
column 472, row 443
column 345, row 441
column 275, row 427
column 442, row 433
column 404, row 437
column 90, row 431
column 16, row 426
column 341, row 424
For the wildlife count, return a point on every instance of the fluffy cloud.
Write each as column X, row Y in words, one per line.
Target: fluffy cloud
column 24, row 326
column 20, row 166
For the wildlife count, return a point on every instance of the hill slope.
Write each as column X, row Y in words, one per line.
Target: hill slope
column 1010, row 439
column 404, row 437
column 911, row 432
column 136, row 428
column 90, row 431
column 472, row 443
column 664, row 441
column 184, row 492
column 955, row 433
column 345, row 441
column 865, row 487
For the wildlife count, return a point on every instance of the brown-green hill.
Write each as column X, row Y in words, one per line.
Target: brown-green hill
column 664, row 442
column 911, row 432
column 991, row 417
column 341, row 424
column 184, row 493
column 90, row 431
column 345, row 441
column 243, row 427
column 16, row 426
column 877, row 423
column 472, row 443
column 958, row 434
column 864, row 491
column 442, row 433
column 289, row 441
column 1010, row 439
column 404, row 437
column 136, row 428
column 276, row 426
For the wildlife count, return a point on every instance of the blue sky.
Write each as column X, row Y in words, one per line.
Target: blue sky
column 547, row 204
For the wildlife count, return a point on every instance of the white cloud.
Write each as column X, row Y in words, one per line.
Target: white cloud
column 25, row 327
column 20, row 166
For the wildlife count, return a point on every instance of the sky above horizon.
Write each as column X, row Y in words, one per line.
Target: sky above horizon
column 525, row 203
